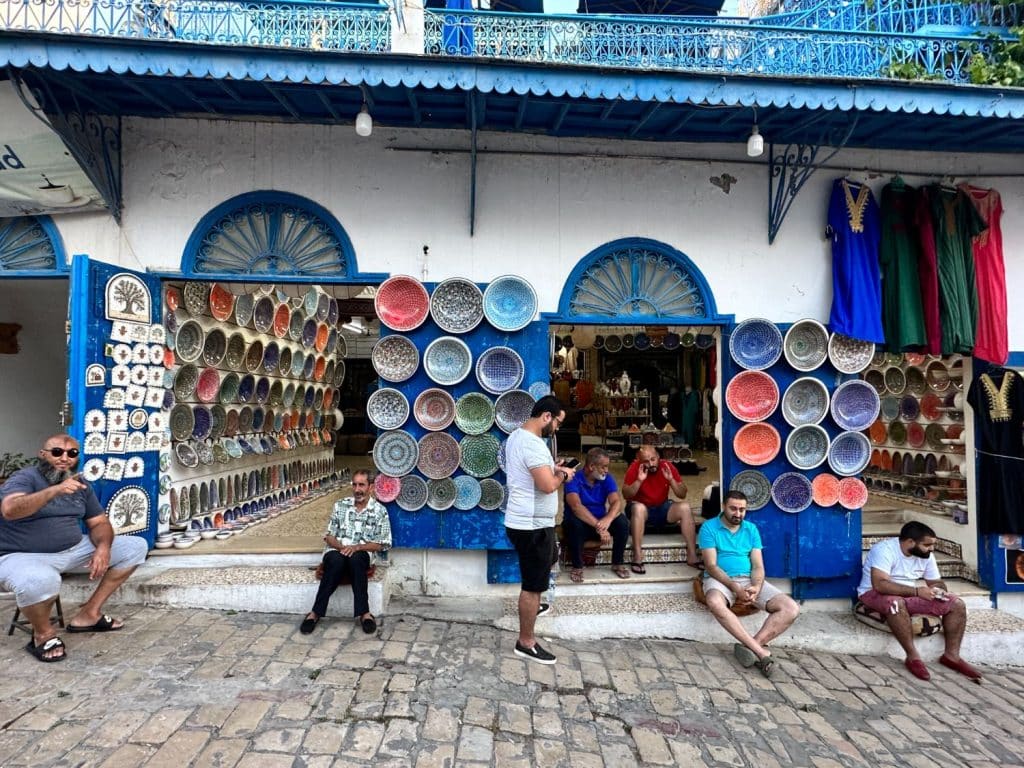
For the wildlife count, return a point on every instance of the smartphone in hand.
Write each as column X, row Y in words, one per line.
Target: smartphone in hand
column 572, row 462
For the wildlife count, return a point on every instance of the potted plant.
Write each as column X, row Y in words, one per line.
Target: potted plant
column 11, row 463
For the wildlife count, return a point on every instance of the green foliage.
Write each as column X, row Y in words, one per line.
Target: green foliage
column 1004, row 65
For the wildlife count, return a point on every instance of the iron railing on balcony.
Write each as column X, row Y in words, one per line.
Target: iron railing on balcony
column 304, row 24
column 692, row 46
column 899, row 16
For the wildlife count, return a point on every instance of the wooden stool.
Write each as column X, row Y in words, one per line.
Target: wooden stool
column 19, row 623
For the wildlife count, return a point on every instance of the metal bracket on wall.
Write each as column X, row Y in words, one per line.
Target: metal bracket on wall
column 789, row 170
column 94, row 140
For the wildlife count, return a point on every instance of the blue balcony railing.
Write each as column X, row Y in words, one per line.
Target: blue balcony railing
column 291, row 24
column 696, row 46
column 898, row 16
column 681, row 44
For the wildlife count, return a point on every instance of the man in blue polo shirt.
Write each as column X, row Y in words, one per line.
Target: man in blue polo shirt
column 593, row 510
column 734, row 574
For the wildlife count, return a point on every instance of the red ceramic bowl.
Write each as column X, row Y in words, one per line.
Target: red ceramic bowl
column 222, row 302
column 282, row 318
column 402, row 303
column 752, row 396
column 853, row 494
column 757, row 444
column 208, row 386
column 825, row 490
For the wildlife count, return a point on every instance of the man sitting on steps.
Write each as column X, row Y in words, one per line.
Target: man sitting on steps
column 646, row 487
column 888, row 585
column 593, row 509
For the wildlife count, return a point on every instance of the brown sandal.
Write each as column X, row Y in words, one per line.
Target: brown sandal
column 621, row 571
column 576, row 575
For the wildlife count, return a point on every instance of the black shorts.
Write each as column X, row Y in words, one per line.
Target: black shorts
column 536, row 550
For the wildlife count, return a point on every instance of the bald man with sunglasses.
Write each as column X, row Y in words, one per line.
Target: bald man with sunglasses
column 42, row 508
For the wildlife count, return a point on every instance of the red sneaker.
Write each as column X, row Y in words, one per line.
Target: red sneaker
column 918, row 669
column 960, row 666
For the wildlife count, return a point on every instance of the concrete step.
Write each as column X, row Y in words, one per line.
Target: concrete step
column 260, row 583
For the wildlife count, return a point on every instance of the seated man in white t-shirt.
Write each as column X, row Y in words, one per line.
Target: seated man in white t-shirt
column 889, row 585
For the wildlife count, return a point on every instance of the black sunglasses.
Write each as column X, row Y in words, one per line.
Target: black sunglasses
column 58, row 452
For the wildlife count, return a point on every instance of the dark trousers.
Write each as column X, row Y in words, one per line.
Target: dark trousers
column 577, row 531
column 336, row 567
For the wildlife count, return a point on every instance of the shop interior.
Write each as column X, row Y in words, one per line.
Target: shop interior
column 625, row 386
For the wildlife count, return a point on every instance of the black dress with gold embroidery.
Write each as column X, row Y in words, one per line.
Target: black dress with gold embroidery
column 997, row 399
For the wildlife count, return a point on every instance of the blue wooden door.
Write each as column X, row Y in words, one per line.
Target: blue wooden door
column 116, row 390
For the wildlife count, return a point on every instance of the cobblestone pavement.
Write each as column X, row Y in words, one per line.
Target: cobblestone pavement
column 189, row 687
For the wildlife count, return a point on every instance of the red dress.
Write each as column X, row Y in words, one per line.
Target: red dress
column 991, row 342
column 928, row 272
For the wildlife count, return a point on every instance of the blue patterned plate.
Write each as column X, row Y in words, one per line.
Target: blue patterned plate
column 807, row 446
column 387, row 408
column 467, row 492
column 805, row 402
column 413, row 493
column 395, row 453
column 512, row 409
column 447, row 360
column 510, row 303
column 755, row 486
column 855, row 405
column 756, row 344
column 395, row 358
column 792, row 492
column 499, row 369
column 849, row 453
column 457, row 305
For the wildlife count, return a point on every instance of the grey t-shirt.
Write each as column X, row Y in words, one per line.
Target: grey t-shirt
column 526, row 508
column 55, row 527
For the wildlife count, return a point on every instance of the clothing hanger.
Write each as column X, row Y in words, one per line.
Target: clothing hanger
column 897, row 182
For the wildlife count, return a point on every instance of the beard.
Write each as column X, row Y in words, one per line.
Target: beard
column 916, row 551
column 51, row 474
column 547, row 430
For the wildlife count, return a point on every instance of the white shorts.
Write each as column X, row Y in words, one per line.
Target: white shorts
column 763, row 597
column 35, row 576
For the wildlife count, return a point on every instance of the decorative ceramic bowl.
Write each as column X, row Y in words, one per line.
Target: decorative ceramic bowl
column 510, row 303
column 895, row 380
column 413, row 493
column 271, row 357
column 441, row 493
column 853, row 494
column 916, row 383
column 395, row 358
column 196, row 296
column 439, row 455
column 447, row 360
column 792, row 492
column 234, row 356
column 254, row 356
column 855, row 405
column 825, row 490
column 244, row 305
column 263, row 314
column 878, row 433
column 910, row 408
column 915, row 435
column 512, row 409
column 222, row 302
column 387, row 408
column 757, row 444
column 401, row 303
column 188, row 341
column 186, row 455
column 182, row 422
column 849, row 453
column 671, row 342
column 755, row 344
column 308, row 334
column 499, row 369
column 215, row 347
column 202, row 421
column 890, row 408
column 208, row 386
column 806, row 345
column 897, row 433
column 474, row 413
column 185, row 381
column 876, row 379
column 613, row 343
column 479, row 455
column 752, row 396
column 467, row 492
column 395, row 453
column 850, row 355
column 755, row 486
column 295, row 325
column 434, row 409
column 386, row 488
column 806, row 401
column 457, row 305
column 936, row 374
column 930, row 405
column 492, row 494
column 807, row 446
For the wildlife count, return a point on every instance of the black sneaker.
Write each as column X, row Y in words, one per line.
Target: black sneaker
column 544, row 608
column 536, row 653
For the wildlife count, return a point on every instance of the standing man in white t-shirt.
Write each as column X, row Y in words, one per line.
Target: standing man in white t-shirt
column 889, row 585
column 531, row 503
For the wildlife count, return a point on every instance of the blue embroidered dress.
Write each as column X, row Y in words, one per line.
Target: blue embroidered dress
column 853, row 226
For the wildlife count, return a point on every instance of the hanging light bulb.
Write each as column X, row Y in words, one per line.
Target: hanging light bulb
column 755, row 144
column 364, row 122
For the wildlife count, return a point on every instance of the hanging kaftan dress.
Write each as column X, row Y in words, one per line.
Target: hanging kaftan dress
column 853, row 225
column 991, row 342
column 898, row 257
column 997, row 399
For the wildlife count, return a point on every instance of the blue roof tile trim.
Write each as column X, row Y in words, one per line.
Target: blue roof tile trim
column 103, row 56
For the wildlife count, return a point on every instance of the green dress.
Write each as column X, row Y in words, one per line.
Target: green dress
column 898, row 255
column 956, row 222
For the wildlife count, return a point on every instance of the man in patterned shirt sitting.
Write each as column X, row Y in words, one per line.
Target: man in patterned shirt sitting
column 358, row 529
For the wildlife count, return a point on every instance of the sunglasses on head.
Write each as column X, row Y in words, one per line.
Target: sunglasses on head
column 58, row 452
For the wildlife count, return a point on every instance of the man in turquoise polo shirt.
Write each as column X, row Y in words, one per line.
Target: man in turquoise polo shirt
column 734, row 574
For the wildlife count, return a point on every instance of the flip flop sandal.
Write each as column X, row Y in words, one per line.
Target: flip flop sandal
column 621, row 571
column 39, row 650
column 766, row 665
column 640, row 568
column 576, row 575
column 105, row 624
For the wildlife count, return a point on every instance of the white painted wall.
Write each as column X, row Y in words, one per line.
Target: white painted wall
column 537, row 214
column 32, row 381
